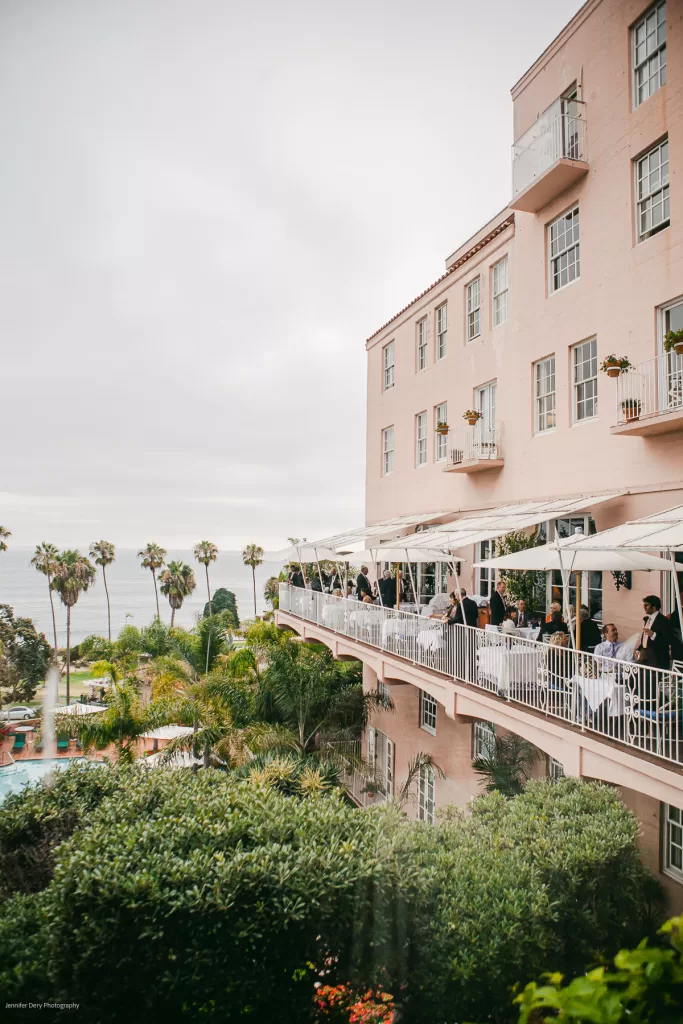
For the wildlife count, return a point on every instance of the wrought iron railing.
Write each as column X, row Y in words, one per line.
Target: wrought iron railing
column 635, row 705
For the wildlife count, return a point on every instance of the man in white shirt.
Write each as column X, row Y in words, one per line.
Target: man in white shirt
column 610, row 647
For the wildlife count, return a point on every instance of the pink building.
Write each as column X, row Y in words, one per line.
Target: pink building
column 586, row 261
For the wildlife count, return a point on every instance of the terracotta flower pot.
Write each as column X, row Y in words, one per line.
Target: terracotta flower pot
column 442, row 430
column 631, row 414
column 613, row 370
column 678, row 348
column 472, row 420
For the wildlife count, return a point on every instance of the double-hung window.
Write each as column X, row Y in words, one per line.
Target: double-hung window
column 473, row 309
column 652, row 191
column 563, row 246
column 648, row 42
column 555, row 769
column 442, row 331
column 421, row 439
column 422, row 344
column 425, row 795
column 387, row 451
column 673, row 842
column 388, row 363
column 585, row 379
column 500, row 292
column 483, row 740
column 441, row 416
column 544, row 393
column 427, row 712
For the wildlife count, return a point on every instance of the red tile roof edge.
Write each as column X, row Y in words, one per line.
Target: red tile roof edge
column 454, row 266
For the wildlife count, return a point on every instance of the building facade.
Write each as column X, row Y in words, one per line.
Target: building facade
column 585, row 262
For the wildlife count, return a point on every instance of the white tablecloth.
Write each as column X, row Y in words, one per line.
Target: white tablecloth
column 334, row 616
column 431, row 639
column 398, row 629
column 508, row 665
column 596, row 690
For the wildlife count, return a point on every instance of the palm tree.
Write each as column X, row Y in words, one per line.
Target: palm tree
column 45, row 561
column 4, row 534
column 507, row 767
column 126, row 719
column 253, row 556
column 206, row 552
column 153, row 557
column 177, row 582
column 104, row 553
column 73, row 575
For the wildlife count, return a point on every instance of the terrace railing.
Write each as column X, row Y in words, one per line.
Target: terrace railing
column 472, row 444
column 637, row 706
column 559, row 132
column 651, row 388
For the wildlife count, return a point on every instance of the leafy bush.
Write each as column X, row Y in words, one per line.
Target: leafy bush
column 25, row 656
column 224, row 601
column 94, row 648
column 213, row 896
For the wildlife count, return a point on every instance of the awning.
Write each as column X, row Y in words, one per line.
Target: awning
column 573, row 556
column 79, row 709
column 167, row 732
column 660, row 532
column 393, row 552
column 496, row 522
column 353, row 540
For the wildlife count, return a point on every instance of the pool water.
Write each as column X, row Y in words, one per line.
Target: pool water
column 16, row 776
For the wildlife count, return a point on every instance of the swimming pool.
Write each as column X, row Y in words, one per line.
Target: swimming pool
column 16, row 776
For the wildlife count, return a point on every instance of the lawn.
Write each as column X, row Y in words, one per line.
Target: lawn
column 77, row 689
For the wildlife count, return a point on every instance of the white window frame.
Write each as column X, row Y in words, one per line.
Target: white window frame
column 421, row 439
column 428, row 712
column 441, row 446
column 383, row 689
column 555, row 769
column 425, row 795
column 389, row 365
column 485, row 578
column 499, row 292
column 421, row 329
column 672, row 839
column 473, row 307
column 483, row 739
column 442, row 331
column 545, row 399
column 381, row 755
column 387, row 451
column 652, row 62
column 568, row 250
column 648, row 198
column 577, row 384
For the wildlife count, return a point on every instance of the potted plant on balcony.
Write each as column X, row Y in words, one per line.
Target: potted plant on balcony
column 631, row 409
column 674, row 340
column 472, row 416
column 442, row 428
column 614, row 365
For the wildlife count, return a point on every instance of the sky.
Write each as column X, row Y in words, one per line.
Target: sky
column 208, row 206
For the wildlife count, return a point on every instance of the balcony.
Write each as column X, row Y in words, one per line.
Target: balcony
column 550, row 157
column 650, row 397
column 474, row 449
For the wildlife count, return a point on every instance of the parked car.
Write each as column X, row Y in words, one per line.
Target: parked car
column 19, row 711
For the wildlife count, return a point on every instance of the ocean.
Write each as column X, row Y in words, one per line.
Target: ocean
column 131, row 592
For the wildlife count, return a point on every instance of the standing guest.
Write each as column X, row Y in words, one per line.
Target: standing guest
column 387, row 588
column 610, row 647
column 465, row 612
column 556, row 625
column 375, row 592
column 498, row 604
column 509, row 623
column 296, row 578
column 522, row 617
column 362, row 582
column 591, row 634
column 554, row 607
column 316, row 585
column 333, row 581
column 655, row 638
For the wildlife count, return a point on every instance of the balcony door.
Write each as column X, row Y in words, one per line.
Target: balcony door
column 485, row 403
column 671, row 378
column 570, row 125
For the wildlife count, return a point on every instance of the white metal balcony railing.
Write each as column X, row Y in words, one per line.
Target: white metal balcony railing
column 557, row 133
column 471, row 444
column 651, row 388
column 637, row 706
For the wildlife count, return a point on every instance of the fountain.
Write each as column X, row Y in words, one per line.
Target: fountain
column 49, row 705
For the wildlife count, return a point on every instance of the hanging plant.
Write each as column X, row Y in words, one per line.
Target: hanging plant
column 442, row 428
column 674, row 340
column 472, row 416
column 614, row 365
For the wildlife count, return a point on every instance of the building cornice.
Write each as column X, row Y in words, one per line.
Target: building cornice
column 558, row 42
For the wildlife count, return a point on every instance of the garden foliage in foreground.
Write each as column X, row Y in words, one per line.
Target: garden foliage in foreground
column 181, row 896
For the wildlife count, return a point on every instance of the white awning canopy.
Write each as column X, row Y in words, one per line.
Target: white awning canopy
column 576, row 558
column 79, row 709
column 393, row 552
column 167, row 732
column 660, row 532
column 353, row 541
column 496, row 522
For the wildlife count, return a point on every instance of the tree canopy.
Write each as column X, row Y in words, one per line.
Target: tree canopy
column 25, row 656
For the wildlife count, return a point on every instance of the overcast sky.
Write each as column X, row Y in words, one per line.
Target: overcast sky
column 207, row 206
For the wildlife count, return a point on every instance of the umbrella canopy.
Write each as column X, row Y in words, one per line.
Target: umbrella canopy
column 395, row 553
column 660, row 532
column 573, row 556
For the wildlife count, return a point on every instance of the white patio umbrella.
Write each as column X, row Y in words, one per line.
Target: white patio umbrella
column 393, row 552
column 572, row 555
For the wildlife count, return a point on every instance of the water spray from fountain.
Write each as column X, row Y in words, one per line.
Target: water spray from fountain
column 49, row 705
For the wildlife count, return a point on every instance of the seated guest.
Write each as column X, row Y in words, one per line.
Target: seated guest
column 591, row 634
column 387, row 588
column 522, row 618
column 509, row 623
column 375, row 592
column 366, row 598
column 465, row 612
column 337, row 592
column 611, row 647
column 351, row 593
column 556, row 625
column 554, row 607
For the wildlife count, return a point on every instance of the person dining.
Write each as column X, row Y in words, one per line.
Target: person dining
column 555, row 625
column 498, row 604
column 523, row 620
column 655, row 639
column 462, row 612
column 590, row 631
column 509, row 623
column 554, row 607
column 611, row 647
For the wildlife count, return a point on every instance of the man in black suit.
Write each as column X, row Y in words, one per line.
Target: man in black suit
column 498, row 604
column 656, row 633
column 387, row 588
column 590, row 631
column 363, row 583
column 522, row 617
column 556, row 625
column 466, row 610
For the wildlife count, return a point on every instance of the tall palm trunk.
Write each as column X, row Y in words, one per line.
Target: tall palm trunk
column 253, row 575
column 106, row 590
column 68, row 651
column 52, row 606
column 156, row 594
column 208, row 588
column 172, row 616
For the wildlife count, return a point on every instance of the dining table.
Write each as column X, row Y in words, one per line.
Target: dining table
column 595, row 690
column 505, row 665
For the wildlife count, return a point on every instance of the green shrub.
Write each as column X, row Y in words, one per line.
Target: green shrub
column 224, row 601
column 94, row 648
column 213, row 896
